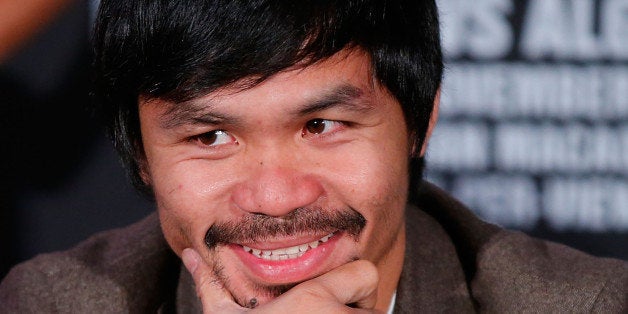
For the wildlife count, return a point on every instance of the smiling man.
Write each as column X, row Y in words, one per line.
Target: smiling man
column 283, row 143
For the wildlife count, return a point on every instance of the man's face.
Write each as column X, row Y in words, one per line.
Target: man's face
column 279, row 183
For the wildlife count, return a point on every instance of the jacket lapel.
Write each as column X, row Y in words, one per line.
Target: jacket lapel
column 432, row 279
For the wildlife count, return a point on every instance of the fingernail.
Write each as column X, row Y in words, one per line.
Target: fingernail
column 190, row 259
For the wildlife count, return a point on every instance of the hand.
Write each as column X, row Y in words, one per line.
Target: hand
column 353, row 283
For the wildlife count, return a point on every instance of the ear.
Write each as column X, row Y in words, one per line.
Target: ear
column 142, row 164
column 432, row 123
column 138, row 144
column 143, row 171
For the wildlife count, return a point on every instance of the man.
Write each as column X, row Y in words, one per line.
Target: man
column 282, row 142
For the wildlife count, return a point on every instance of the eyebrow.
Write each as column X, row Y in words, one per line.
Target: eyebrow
column 345, row 97
column 193, row 112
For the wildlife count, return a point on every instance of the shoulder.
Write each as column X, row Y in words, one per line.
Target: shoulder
column 53, row 283
column 515, row 271
column 110, row 271
column 510, row 271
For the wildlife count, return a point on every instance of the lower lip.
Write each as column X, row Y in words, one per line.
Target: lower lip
column 310, row 264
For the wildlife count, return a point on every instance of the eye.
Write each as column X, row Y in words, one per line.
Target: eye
column 321, row 126
column 214, row 138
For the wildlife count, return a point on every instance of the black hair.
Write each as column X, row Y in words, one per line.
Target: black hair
column 184, row 49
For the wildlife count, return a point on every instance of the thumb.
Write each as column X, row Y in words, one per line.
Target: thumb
column 214, row 297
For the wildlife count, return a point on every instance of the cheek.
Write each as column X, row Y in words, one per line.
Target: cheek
column 374, row 180
column 189, row 200
column 387, row 193
column 178, row 232
column 376, row 186
column 374, row 174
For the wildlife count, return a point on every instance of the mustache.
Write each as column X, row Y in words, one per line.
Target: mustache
column 260, row 227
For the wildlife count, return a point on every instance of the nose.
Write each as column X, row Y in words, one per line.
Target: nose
column 275, row 188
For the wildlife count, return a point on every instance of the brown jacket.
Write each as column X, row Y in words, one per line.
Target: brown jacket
column 454, row 263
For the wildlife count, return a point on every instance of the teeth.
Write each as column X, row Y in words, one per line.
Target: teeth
column 286, row 253
column 292, row 250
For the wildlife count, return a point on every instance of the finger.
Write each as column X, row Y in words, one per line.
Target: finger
column 214, row 297
column 352, row 283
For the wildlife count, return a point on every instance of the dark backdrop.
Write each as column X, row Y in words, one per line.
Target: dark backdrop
column 61, row 180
